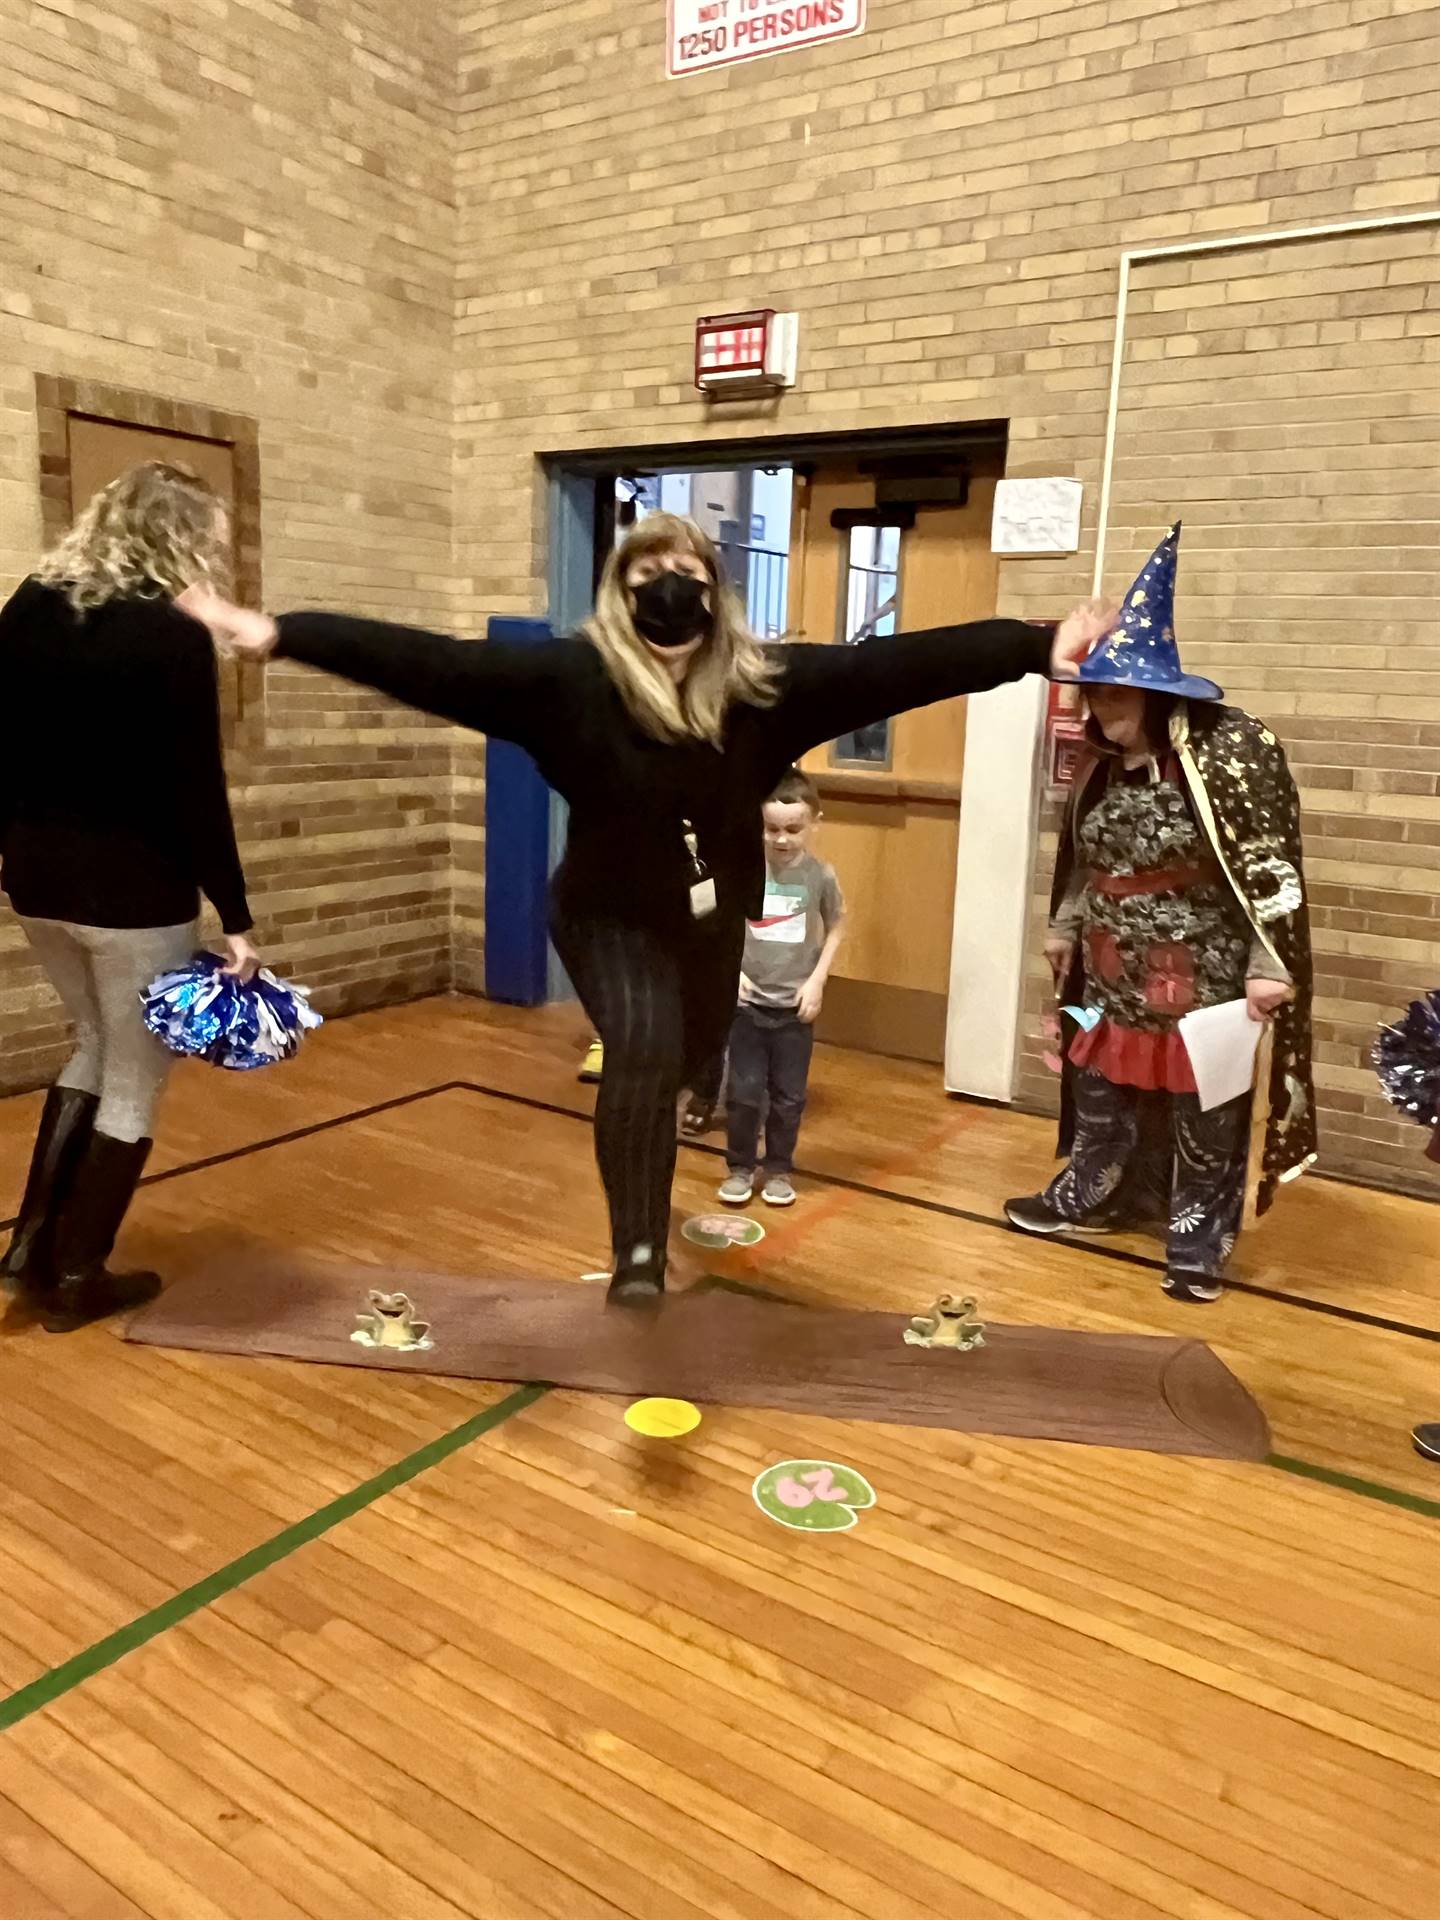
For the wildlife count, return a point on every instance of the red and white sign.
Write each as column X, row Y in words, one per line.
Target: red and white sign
column 716, row 33
column 746, row 352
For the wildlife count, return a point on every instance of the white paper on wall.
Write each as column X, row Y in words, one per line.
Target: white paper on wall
column 1036, row 516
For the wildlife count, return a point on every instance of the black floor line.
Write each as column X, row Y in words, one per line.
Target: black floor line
column 296, row 1133
column 1309, row 1470
column 940, row 1207
column 996, row 1224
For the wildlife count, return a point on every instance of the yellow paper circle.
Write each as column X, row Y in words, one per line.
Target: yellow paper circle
column 662, row 1419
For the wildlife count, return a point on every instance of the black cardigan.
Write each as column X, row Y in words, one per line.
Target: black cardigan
column 629, row 794
column 113, row 808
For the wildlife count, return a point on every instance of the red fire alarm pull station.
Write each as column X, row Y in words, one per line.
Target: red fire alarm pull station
column 1064, row 733
column 746, row 353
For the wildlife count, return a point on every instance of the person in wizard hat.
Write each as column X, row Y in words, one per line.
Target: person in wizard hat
column 1178, row 884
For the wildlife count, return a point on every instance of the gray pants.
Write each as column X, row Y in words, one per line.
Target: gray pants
column 100, row 973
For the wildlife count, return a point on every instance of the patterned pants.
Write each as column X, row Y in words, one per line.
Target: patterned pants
column 1133, row 1150
column 662, row 1002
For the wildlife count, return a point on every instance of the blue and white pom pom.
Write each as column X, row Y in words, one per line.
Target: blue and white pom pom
column 208, row 1014
column 1407, row 1058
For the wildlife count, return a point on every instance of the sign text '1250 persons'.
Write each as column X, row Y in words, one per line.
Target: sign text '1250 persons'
column 713, row 33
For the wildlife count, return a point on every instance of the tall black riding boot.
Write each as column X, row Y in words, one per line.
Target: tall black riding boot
column 66, row 1122
column 100, row 1193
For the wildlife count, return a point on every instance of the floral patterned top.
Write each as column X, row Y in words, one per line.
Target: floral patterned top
column 1152, row 956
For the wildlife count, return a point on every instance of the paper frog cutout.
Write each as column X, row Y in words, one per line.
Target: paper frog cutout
column 389, row 1320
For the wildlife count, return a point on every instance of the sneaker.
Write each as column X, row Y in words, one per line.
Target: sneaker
column 1032, row 1214
column 777, row 1191
column 736, row 1190
column 592, row 1067
column 696, row 1120
column 1427, row 1440
column 1181, row 1285
column 638, row 1281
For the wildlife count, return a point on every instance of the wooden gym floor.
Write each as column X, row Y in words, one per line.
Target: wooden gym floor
column 281, row 1641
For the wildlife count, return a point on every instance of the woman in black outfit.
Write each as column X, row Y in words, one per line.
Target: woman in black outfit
column 113, row 818
column 664, row 724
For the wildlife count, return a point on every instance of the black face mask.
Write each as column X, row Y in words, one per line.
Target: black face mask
column 670, row 609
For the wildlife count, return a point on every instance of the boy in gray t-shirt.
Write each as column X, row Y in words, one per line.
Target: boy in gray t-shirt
column 789, row 952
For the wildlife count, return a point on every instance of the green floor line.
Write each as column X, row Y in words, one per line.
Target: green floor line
column 1351, row 1483
column 48, row 1687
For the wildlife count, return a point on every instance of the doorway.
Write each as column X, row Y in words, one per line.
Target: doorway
column 838, row 541
column 888, row 546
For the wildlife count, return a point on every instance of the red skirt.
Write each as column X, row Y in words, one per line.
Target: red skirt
column 1127, row 1057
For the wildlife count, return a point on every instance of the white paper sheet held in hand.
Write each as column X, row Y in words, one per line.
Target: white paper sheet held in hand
column 1221, row 1043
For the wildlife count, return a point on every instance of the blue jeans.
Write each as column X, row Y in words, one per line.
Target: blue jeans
column 770, row 1050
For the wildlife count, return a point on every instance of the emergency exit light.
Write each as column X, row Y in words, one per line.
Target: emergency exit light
column 746, row 353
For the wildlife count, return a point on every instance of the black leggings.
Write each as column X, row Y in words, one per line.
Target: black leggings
column 662, row 1002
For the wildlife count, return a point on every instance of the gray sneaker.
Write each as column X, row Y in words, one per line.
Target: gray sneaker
column 777, row 1191
column 736, row 1190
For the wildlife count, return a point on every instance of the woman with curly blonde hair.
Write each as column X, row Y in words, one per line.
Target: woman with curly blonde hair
column 665, row 724
column 114, row 817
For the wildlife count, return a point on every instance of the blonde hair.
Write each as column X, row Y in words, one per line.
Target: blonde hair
column 730, row 667
column 154, row 531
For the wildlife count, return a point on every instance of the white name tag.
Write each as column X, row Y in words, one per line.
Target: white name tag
column 783, row 918
column 702, row 897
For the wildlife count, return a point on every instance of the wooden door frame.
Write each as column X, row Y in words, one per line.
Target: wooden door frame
column 59, row 400
column 1000, row 782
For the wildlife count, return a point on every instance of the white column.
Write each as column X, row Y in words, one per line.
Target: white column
column 999, row 808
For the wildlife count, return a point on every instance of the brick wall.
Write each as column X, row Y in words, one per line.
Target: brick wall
column 944, row 200
column 422, row 246
column 249, row 207
column 1286, row 403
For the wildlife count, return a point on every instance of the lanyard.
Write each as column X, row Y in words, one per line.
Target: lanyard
column 702, row 886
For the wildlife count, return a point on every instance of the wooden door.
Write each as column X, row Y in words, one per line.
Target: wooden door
column 891, row 797
column 101, row 450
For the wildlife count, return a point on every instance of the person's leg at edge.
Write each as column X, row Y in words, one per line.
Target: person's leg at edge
column 1080, row 1198
column 710, row 986
column 68, row 1112
column 745, row 1107
column 629, row 982
column 706, row 1082
column 791, row 1048
column 133, row 1069
column 1207, row 1201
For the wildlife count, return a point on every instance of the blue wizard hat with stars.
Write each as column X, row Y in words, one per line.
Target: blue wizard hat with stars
column 1141, row 651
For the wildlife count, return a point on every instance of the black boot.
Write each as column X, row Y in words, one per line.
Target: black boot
column 100, row 1193
column 66, row 1122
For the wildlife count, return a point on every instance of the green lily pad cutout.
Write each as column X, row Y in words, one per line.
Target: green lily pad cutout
column 813, row 1496
column 720, row 1230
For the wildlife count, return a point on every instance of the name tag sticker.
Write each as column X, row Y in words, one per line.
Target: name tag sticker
column 783, row 919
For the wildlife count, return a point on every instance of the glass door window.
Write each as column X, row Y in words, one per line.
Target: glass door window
column 869, row 608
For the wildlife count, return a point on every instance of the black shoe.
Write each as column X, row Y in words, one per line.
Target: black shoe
column 66, row 1122
column 697, row 1120
column 1427, row 1440
column 101, row 1190
column 637, row 1283
column 1196, row 1287
column 1032, row 1214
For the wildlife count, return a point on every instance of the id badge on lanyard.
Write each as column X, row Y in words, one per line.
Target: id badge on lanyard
column 702, row 881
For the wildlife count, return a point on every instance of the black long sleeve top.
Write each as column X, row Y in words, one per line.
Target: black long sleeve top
column 630, row 794
column 113, row 805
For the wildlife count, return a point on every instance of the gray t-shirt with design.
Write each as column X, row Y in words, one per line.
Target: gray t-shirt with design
column 802, row 903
